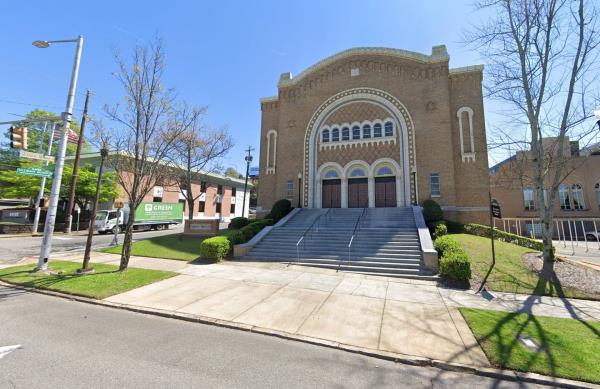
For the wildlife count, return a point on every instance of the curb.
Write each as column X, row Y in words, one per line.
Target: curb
column 508, row 375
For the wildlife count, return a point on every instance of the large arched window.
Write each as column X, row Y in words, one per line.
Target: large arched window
column 271, row 151
column 358, row 173
column 366, row 131
column 385, row 171
column 389, row 129
column 528, row 199
column 563, row 196
column 355, row 132
column 597, row 187
column 577, row 194
column 325, row 136
column 345, row 133
column 331, row 174
column 335, row 135
column 377, row 130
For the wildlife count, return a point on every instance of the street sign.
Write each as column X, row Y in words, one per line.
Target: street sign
column 34, row 171
column 31, row 155
column 496, row 209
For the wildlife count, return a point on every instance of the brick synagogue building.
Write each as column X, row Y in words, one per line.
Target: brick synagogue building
column 377, row 127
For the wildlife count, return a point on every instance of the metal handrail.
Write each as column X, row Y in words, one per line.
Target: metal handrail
column 306, row 232
column 354, row 233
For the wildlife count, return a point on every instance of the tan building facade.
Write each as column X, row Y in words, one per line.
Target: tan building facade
column 578, row 195
column 377, row 127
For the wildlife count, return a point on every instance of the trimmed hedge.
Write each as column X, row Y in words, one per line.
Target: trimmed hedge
column 454, row 227
column 234, row 237
column 440, row 229
column 250, row 230
column 485, row 231
column 432, row 212
column 215, row 248
column 279, row 210
column 445, row 244
column 238, row 222
column 455, row 264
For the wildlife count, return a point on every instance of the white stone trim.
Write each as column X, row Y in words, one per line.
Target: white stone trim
column 269, row 99
column 370, row 170
column 466, row 69
column 466, row 155
column 439, row 54
column 271, row 164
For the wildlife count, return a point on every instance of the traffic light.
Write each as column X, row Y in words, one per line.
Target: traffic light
column 18, row 137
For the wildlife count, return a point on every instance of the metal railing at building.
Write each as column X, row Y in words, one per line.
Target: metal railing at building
column 571, row 231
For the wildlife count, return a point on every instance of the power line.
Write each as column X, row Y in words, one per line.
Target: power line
column 35, row 105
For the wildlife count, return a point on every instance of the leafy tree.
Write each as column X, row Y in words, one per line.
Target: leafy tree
column 86, row 185
column 13, row 185
column 231, row 172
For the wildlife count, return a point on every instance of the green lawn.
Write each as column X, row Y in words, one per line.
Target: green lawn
column 510, row 273
column 105, row 281
column 569, row 347
column 173, row 246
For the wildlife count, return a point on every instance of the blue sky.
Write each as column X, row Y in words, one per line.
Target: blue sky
column 223, row 54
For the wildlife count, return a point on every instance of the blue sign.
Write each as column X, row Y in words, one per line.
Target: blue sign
column 254, row 171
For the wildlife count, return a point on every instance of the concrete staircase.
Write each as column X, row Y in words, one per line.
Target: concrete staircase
column 385, row 241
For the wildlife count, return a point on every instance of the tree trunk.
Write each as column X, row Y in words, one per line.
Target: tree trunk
column 190, row 209
column 127, row 240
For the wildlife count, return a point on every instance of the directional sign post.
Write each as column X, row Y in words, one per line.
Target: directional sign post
column 34, row 171
column 494, row 213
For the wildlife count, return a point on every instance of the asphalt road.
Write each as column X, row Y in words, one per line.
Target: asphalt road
column 67, row 344
column 14, row 248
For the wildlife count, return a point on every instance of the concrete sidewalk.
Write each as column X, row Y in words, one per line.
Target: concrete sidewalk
column 409, row 317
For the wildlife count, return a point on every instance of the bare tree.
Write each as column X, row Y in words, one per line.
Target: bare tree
column 148, row 131
column 198, row 148
column 541, row 55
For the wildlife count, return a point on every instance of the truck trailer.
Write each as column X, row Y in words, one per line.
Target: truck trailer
column 148, row 216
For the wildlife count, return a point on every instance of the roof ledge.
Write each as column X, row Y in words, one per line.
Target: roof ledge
column 438, row 54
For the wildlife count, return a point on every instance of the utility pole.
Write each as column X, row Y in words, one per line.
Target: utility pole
column 248, row 159
column 69, row 215
column 85, row 268
column 60, row 157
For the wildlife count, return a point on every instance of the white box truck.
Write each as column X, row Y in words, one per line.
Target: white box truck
column 148, row 216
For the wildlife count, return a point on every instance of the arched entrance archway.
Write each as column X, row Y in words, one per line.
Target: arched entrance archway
column 312, row 184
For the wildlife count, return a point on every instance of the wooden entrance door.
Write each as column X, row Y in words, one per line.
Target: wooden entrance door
column 385, row 192
column 332, row 194
column 358, row 193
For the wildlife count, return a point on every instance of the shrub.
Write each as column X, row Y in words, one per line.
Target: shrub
column 234, row 237
column 279, row 210
column 440, row 229
column 445, row 244
column 215, row 248
column 238, row 222
column 455, row 266
column 454, row 227
column 485, row 231
column 250, row 230
column 432, row 212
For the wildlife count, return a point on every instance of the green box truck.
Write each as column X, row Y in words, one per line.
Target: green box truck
column 148, row 216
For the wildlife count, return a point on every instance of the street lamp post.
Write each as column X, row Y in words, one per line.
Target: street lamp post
column 248, row 159
column 299, row 189
column 62, row 149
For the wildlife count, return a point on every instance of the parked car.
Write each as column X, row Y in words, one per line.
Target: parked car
column 592, row 235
